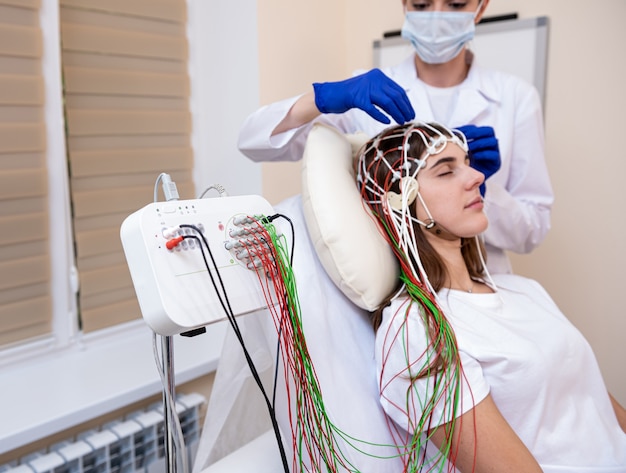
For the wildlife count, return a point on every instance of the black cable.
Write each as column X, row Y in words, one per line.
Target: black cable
column 233, row 322
column 280, row 329
column 293, row 232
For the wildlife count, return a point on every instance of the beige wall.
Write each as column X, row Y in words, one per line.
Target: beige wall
column 582, row 261
column 292, row 53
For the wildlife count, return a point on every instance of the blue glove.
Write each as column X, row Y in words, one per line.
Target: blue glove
column 484, row 152
column 369, row 92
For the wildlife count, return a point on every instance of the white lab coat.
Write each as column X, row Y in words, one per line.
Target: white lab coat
column 519, row 196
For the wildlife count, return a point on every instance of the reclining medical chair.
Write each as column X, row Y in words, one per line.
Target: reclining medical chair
column 342, row 267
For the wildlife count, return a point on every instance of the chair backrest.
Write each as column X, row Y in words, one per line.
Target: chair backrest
column 343, row 267
column 340, row 340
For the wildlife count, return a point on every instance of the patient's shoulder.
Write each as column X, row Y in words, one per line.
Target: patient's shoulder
column 516, row 282
column 530, row 288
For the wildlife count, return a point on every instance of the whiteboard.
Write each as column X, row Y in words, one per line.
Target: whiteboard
column 518, row 46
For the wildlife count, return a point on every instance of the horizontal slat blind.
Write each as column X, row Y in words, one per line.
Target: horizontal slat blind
column 127, row 108
column 25, row 302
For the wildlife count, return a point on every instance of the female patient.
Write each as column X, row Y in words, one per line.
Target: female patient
column 476, row 373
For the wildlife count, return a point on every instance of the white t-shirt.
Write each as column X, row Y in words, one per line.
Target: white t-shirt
column 539, row 369
column 443, row 101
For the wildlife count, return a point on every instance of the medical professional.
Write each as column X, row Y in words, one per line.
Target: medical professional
column 442, row 82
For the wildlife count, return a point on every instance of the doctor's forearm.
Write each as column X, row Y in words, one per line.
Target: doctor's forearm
column 514, row 225
column 620, row 412
column 302, row 112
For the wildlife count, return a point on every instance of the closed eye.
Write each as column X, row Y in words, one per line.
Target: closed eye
column 447, row 165
column 428, row 5
column 457, row 5
column 419, row 6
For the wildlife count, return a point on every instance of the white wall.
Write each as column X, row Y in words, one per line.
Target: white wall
column 582, row 261
column 224, row 89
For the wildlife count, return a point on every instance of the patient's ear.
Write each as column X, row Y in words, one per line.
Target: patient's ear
column 408, row 187
column 346, row 238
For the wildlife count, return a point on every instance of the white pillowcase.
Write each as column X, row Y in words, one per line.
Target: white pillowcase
column 347, row 240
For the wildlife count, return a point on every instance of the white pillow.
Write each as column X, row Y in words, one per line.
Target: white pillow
column 347, row 240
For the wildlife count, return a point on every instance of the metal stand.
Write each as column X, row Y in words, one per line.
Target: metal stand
column 169, row 389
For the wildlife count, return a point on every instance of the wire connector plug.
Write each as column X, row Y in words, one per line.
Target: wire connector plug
column 173, row 243
column 169, row 187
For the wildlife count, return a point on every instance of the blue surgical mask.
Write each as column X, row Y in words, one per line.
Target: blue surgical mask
column 437, row 36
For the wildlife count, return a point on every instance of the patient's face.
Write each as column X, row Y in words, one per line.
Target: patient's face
column 450, row 190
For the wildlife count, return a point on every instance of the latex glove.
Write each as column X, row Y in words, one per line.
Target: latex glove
column 370, row 92
column 484, row 152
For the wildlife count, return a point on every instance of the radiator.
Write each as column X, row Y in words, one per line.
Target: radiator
column 128, row 445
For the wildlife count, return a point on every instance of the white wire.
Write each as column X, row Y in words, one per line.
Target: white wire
column 401, row 219
column 156, row 186
column 173, row 418
column 218, row 187
column 485, row 270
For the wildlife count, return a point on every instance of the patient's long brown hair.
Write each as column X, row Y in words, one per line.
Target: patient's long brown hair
column 389, row 145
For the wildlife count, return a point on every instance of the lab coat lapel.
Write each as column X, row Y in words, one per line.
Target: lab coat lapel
column 476, row 94
column 471, row 103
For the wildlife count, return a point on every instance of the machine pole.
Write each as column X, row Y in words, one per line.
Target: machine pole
column 167, row 349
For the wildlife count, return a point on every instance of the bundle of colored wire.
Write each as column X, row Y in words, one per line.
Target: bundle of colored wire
column 440, row 363
column 313, row 433
column 384, row 164
column 315, row 437
column 220, row 292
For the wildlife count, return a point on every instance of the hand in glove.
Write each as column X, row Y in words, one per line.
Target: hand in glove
column 371, row 92
column 484, row 152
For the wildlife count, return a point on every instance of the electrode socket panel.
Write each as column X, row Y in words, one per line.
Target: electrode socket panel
column 173, row 287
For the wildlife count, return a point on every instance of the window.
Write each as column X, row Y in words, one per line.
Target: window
column 126, row 105
column 25, row 295
column 118, row 71
column 126, row 90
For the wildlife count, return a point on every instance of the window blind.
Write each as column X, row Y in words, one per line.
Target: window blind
column 126, row 90
column 25, row 301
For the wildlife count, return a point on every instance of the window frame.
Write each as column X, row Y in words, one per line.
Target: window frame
column 56, row 381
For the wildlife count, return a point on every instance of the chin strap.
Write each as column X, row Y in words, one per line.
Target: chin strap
column 434, row 228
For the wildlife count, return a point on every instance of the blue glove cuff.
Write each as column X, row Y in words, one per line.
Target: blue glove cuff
column 318, row 90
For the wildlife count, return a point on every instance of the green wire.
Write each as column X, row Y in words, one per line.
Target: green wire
column 314, row 432
column 446, row 381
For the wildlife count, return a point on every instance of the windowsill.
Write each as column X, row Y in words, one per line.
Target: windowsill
column 50, row 393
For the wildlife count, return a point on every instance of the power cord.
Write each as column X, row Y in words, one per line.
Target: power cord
column 169, row 187
column 218, row 187
column 170, row 192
